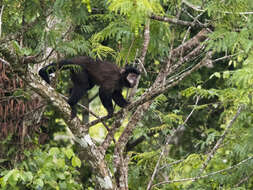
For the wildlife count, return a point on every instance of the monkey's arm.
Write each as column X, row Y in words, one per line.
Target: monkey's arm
column 106, row 99
column 119, row 99
column 46, row 71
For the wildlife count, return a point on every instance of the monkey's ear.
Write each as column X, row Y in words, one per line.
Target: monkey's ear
column 123, row 70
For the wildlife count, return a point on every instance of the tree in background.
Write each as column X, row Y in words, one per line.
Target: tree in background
column 189, row 122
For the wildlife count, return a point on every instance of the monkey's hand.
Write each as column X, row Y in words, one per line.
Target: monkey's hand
column 127, row 103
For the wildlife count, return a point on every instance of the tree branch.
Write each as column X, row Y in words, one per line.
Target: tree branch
column 245, row 179
column 142, row 58
column 194, row 7
column 121, row 163
column 219, row 142
column 177, row 21
column 5, row 62
column 204, row 176
column 1, row 14
column 81, row 132
column 169, row 139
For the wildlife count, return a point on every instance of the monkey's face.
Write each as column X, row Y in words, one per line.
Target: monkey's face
column 132, row 79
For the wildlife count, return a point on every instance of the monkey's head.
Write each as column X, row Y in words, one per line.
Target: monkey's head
column 129, row 76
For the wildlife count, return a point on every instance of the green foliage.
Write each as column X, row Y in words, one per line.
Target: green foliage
column 52, row 169
column 21, row 51
column 114, row 30
column 135, row 11
column 243, row 78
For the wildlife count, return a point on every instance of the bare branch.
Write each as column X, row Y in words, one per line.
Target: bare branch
column 198, row 8
column 219, row 142
column 194, row 7
column 177, row 21
column 190, row 44
column 174, row 163
column 143, row 55
column 240, row 13
column 110, row 136
column 5, row 62
column 1, row 14
column 169, row 139
column 245, row 179
column 225, row 57
column 204, row 176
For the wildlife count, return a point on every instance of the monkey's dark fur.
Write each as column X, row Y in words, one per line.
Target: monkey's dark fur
column 108, row 76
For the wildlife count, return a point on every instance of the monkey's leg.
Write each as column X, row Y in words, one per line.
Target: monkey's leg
column 77, row 93
column 106, row 99
column 119, row 99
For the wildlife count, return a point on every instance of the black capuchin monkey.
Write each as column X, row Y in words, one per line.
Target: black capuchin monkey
column 108, row 76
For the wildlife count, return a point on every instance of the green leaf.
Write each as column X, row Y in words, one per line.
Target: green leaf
column 27, row 176
column 14, row 178
column 226, row 74
column 76, row 162
column 61, row 176
column 54, row 151
column 69, row 153
column 60, row 163
column 216, row 74
column 17, row 47
column 39, row 183
column 7, row 177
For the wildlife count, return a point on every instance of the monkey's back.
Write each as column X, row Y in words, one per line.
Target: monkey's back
column 103, row 73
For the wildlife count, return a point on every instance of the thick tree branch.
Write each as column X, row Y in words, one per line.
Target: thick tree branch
column 121, row 163
column 184, row 48
column 81, row 133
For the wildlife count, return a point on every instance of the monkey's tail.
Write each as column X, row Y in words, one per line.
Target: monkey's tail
column 51, row 68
